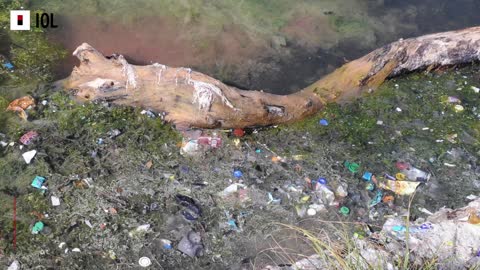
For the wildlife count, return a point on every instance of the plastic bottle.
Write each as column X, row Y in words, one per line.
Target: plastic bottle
column 414, row 174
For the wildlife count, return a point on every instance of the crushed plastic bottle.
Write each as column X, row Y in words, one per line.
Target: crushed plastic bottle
column 417, row 175
column 411, row 173
column 326, row 196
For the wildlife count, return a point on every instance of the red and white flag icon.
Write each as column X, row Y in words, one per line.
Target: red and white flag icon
column 19, row 19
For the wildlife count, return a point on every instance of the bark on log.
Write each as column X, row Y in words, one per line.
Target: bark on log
column 193, row 99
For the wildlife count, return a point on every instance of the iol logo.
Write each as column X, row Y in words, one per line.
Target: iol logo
column 20, row 20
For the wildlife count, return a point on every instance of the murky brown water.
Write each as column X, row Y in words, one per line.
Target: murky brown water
column 228, row 42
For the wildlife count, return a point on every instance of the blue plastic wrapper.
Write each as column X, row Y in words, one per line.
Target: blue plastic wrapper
column 38, row 182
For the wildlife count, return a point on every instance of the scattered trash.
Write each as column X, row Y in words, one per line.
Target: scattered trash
column 8, row 65
column 38, row 227
column 323, row 122
column 167, row 244
column 425, row 211
column 113, row 133
column 472, row 197
column 238, row 132
column 195, row 146
column 411, row 173
column 272, row 200
column 38, row 182
column 351, row 166
column 344, row 210
column 400, row 187
column 148, row 165
column 76, row 250
column 475, row 89
column 15, row 265
column 232, row 225
column 379, row 122
column 311, row 212
column 326, row 196
column 398, row 109
column 28, row 156
column 377, row 199
column 19, row 105
column 55, row 201
column 370, row 186
column 473, row 218
column 237, row 174
column 88, row 223
column 191, row 244
column 144, row 262
column 451, row 99
column 458, row 108
column 28, row 137
column 322, row 181
column 388, row 198
column 140, row 230
column 341, row 191
column 191, row 210
column 367, row 176
column 148, row 113
column 276, row 159
column 230, row 189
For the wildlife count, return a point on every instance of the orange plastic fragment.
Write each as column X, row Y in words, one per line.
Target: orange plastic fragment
column 388, row 198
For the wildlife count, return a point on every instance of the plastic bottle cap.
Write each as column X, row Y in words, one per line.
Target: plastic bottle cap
column 144, row 262
column 323, row 122
column 344, row 210
column 400, row 176
column 322, row 181
column 237, row 174
column 311, row 212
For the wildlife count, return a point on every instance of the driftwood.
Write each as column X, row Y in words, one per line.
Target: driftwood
column 193, row 99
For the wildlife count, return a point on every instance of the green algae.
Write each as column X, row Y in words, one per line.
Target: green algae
column 31, row 53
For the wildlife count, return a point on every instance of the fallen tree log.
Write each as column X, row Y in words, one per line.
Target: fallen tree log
column 193, row 99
